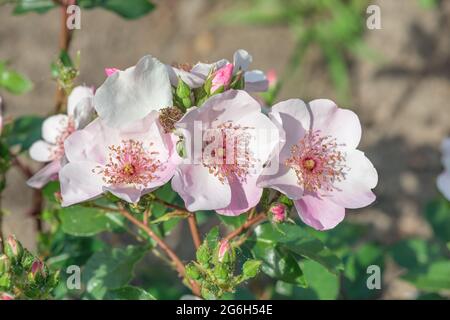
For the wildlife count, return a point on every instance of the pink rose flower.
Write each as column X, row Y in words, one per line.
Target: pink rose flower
column 443, row 181
column 227, row 141
column 195, row 77
column 130, row 95
column 222, row 77
column 128, row 162
column 56, row 129
column 320, row 167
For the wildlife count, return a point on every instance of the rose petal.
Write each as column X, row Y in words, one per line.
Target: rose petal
column 244, row 196
column 127, row 193
column 130, row 95
column 79, row 183
column 321, row 214
column 45, row 175
column 42, row 151
column 443, row 183
column 256, row 81
column 200, row 189
column 53, row 127
column 242, row 60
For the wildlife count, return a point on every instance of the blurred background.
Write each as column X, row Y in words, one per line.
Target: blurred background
column 397, row 79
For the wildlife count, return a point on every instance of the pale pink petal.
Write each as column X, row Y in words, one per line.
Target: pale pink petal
column 256, row 81
column 127, row 193
column 284, row 180
column 443, row 183
column 53, row 127
column 42, row 151
column 130, row 95
column 78, row 94
column 45, row 175
column 199, row 189
column 244, row 196
column 321, row 214
column 79, row 183
column 242, row 60
column 355, row 191
column 91, row 143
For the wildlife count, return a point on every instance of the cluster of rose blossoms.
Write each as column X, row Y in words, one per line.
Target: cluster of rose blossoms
column 201, row 128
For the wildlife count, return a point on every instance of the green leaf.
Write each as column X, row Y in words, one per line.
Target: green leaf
column 84, row 222
column 233, row 221
column 129, row 293
column 438, row 215
column 130, row 9
column 433, row 278
column 39, row 6
column 322, row 285
column 278, row 263
column 13, row 81
column 412, row 253
column 25, row 131
column 355, row 281
column 298, row 241
column 251, row 268
column 111, row 269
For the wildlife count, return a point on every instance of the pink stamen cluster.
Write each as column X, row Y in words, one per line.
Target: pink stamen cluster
column 231, row 159
column 318, row 162
column 58, row 150
column 130, row 163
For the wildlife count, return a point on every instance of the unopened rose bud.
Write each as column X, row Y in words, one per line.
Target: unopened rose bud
column 6, row 296
column 272, row 78
column 278, row 211
column 110, row 71
column 222, row 78
column 13, row 249
column 224, row 247
column 37, row 272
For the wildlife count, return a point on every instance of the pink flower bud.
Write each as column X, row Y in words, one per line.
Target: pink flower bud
column 272, row 77
column 6, row 296
column 278, row 211
column 223, row 249
column 222, row 77
column 110, row 71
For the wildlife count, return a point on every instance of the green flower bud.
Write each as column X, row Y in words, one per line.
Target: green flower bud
column 203, row 255
column 27, row 259
column 193, row 272
column 4, row 264
column 221, row 272
column 183, row 90
column 13, row 250
column 38, row 272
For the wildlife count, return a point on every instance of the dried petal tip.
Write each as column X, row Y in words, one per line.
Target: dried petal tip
column 278, row 211
column 168, row 117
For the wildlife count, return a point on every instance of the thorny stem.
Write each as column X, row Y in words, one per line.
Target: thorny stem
column 194, row 230
column 65, row 38
column 246, row 226
column 163, row 245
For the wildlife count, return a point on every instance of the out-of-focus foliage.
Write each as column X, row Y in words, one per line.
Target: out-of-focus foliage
column 129, row 9
column 13, row 81
column 335, row 27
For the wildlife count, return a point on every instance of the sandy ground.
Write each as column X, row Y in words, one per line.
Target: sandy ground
column 403, row 100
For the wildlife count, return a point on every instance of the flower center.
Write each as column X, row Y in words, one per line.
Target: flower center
column 58, row 151
column 130, row 163
column 318, row 162
column 226, row 152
